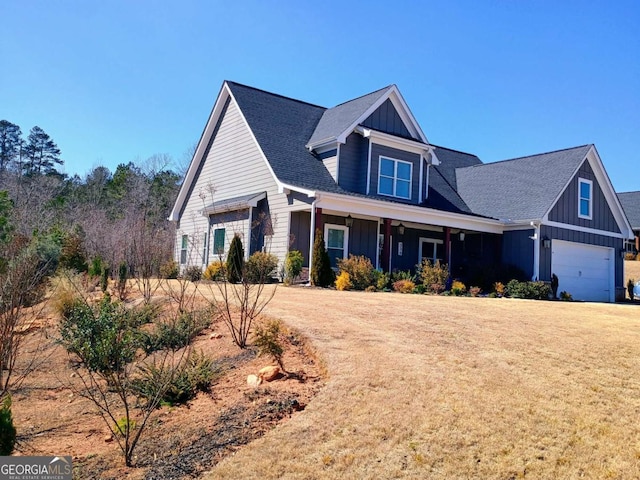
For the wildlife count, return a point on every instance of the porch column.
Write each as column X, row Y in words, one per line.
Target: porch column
column 447, row 247
column 386, row 245
column 637, row 243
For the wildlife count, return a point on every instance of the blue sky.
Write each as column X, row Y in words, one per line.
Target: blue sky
column 119, row 81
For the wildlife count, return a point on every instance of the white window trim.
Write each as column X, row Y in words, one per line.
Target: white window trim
column 590, row 183
column 345, row 229
column 433, row 242
column 395, row 176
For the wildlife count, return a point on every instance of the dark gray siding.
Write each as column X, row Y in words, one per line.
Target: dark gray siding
column 410, row 247
column 580, row 237
column 414, row 158
column 352, row 164
column 566, row 209
column 362, row 235
column 517, row 250
column 386, row 119
column 299, row 234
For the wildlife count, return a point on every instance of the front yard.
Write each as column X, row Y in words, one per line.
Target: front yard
column 445, row 387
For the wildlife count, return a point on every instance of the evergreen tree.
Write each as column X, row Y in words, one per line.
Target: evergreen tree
column 235, row 260
column 10, row 143
column 321, row 273
column 41, row 154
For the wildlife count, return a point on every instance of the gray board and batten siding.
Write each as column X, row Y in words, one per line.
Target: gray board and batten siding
column 352, row 173
column 386, row 119
column 566, row 208
column 517, row 250
column 382, row 150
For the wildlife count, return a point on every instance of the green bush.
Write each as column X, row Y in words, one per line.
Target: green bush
column 383, row 280
column 404, row 286
column 360, row 270
column 321, row 274
column 7, row 428
column 432, row 274
column 402, row 275
column 169, row 270
column 175, row 334
column 293, row 265
column 260, row 267
column 458, row 288
column 268, row 339
column 193, row 273
column 196, row 374
column 235, row 260
column 96, row 267
column 528, row 290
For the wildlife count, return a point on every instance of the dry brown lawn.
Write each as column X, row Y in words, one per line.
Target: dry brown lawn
column 443, row 387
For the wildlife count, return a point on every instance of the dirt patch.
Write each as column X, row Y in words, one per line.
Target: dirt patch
column 180, row 442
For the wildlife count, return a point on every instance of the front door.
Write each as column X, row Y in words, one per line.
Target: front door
column 336, row 238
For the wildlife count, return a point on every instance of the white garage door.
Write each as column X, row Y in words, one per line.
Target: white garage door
column 585, row 271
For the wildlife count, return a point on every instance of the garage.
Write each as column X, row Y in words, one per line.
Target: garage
column 585, row 271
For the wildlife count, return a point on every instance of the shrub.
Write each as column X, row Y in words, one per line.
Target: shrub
column 293, row 265
column 383, row 281
column 630, row 284
column 433, row 274
column 235, row 260
column 7, row 428
column 121, row 285
column 215, row 271
column 528, row 290
column 629, row 256
column 268, row 339
column 321, row 274
column 260, row 267
column 104, row 278
column 177, row 386
column 360, row 270
column 420, row 289
column 371, row 288
column 193, row 273
column 73, row 255
column 404, row 286
column 499, row 288
column 458, row 288
column 96, row 267
column 169, row 270
column 175, row 334
column 343, row 282
column 402, row 275
column 437, row 288
column 475, row 291
column 566, row 296
column 554, row 285
column 125, row 425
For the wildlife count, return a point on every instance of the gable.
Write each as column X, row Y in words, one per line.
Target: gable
column 565, row 209
column 386, row 119
column 631, row 204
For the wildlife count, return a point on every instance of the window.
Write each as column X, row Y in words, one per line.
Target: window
column 218, row 241
column 585, row 201
column 432, row 249
column 336, row 238
column 394, row 178
column 183, row 249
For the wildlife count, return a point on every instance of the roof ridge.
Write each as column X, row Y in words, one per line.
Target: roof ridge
column 632, row 191
column 364, row 95
column 274, row 94
column 454, row 150
column 530, row 156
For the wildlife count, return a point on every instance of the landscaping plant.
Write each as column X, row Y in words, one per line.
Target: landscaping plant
column 343, row 282
column 293, row 266
column 360, row 270
column 235, row 260
column 321, row 274
column 268, row 339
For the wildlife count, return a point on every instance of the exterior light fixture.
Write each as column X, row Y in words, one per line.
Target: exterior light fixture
column 462, row 235
column 348, row 221
column 401, row 229
column 546, row 243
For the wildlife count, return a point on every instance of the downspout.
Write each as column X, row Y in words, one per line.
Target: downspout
column 536, row 250
column 312, row 235
column 247, row 250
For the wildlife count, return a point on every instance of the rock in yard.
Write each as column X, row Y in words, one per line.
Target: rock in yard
column 215, row 335
column 269, row 373
column 253, row 380
column 108, row 438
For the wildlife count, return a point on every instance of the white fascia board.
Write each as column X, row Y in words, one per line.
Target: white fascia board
column 283, row 187
column 198, row 155
column 409, row 213
column 578, row 228
column 405, row 113
column 392, row 141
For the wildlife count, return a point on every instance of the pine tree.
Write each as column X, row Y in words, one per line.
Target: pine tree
column 41, row 154
column 235, row 260
column 10, row 143
column 321, row 273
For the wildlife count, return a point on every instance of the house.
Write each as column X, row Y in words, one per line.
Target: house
column 275, row 169
column 631, row 204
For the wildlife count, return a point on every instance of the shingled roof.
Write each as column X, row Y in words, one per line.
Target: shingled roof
column 336, row 120
column 521, row 188
column 631, row 205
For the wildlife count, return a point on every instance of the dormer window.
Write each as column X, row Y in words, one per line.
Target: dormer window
column 394, row 178
column 585, row 198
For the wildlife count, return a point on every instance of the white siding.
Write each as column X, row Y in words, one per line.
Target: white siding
column 331, row 164
column 234, row 166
